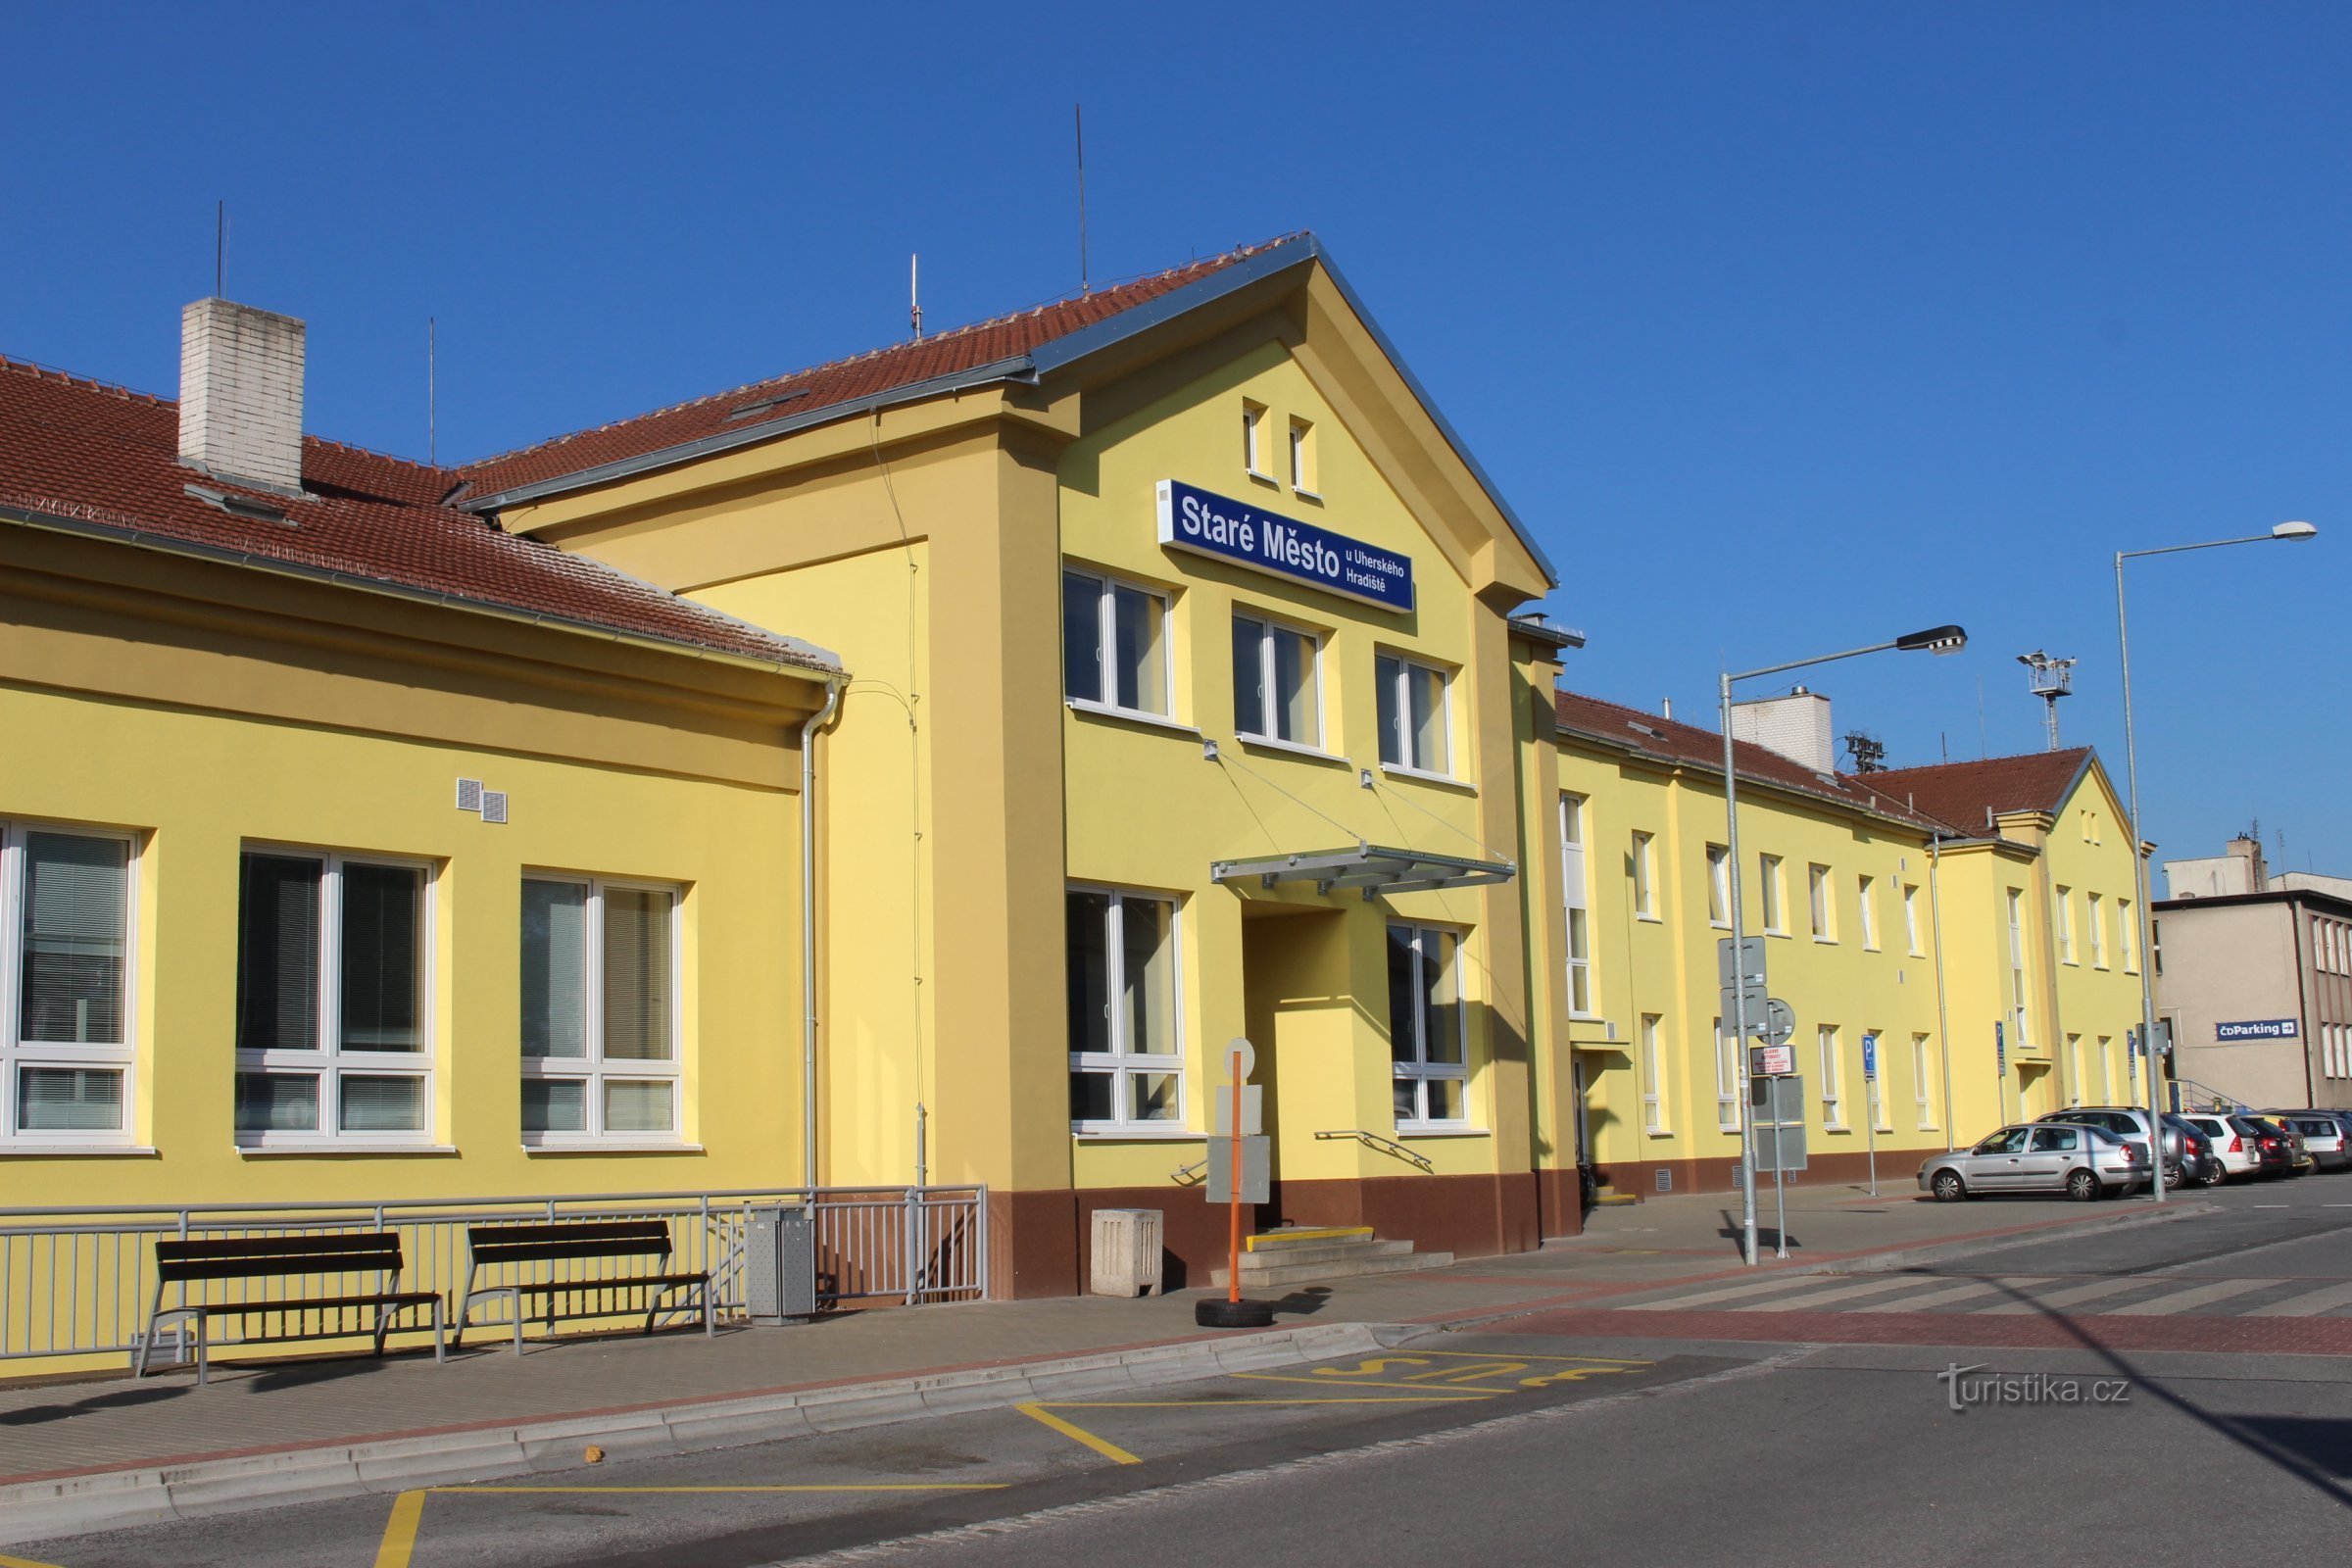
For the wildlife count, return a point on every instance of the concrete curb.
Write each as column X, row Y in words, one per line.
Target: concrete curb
column 1964, row 1246
column 115, row 1499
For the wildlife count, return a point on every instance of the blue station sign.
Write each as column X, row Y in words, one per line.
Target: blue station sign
column 1236, row 531
column 2258, row 1029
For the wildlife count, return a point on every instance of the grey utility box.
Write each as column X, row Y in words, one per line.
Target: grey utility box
column 779, row 1266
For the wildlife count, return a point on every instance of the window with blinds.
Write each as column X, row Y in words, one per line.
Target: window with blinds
column 334, row 984
column 600, row 1010
column 65, row 939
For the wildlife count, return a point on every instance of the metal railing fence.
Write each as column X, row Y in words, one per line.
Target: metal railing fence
column 80, row 1281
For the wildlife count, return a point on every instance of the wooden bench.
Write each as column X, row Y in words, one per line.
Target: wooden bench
column 586, row 1241
column 282, row 1257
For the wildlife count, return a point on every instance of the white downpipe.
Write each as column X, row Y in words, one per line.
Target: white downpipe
column 816, row 722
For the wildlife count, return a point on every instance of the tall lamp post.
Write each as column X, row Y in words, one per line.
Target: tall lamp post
column 1934, row 640
column 2139, row 859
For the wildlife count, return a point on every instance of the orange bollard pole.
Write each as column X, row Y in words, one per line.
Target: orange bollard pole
column 1233, row 1262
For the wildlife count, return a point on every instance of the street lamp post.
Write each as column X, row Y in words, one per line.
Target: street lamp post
column 2139, row 858
column 1934, row 640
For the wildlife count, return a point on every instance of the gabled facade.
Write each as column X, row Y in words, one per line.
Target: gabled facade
column 1146, row 746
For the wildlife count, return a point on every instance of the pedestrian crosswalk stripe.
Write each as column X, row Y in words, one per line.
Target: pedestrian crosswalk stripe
column 1807, row 1301
column 1674, row 1303
column 2199, row 1296
column 1912, row 1303
column 2308, row 1305
column 2066, row 1298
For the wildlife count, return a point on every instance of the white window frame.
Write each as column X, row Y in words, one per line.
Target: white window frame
column 1911, row 920
column 1832, row 1097
column 1654, row 1120
column 1403, row 709
column 1420, row 1068
column 1719, row 887
column 1106, row 586
column 2094, row 911
column 1821, row 901
column 1267, row 625
column 2127, row 931
column 329, row 1063
column 1254, row 439
column 1922, row 1096
column 16, row 1053
column 1866, row 889
column 2018, row 1016
column 2064, row 906
column 1873, row 1086
column 2074, row 1065
column 1302, row 456
column 1645, row 881
column 2107, row 1070
column 1574, row 900
column 1120, row 1062
column 1772, row 894
column 1727, row 1081
column 592, row 1068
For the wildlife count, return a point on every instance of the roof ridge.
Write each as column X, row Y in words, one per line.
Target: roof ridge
column 38, row 372
column 1222, row 257
column 434, row 469
column 1979, row 761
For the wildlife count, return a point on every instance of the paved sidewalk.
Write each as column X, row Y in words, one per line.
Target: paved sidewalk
column 86, row 1428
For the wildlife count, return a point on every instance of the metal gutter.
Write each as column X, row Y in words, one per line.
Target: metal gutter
column 165, row 544
column 1016, row 368
column 814, row 722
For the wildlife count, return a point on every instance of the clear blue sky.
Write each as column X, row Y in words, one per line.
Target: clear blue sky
column 1787, row 327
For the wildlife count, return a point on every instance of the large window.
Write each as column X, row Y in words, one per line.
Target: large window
column 1768, row 891
column 2064, row 912
column 1653, row 1078
column 1874, row 1082
column 1644, row 868
column 2073, row 1068
column 1580, row 916
column 1126, row 1053
column 2127, row 935
column 1413, row 716
column 333, row 1021
column 1911, row 920
column 65, row 977
column 1727, row 1080
column 2095, row 913
column 1427, row 1031
column 1114, row 645
column 599, row 1011
column 1832, row 1097
column 1719, row 885
column 1824, row 905
column 1870, row 914
column 1277, row 682
column 1923, row 1097
column 2017, row 968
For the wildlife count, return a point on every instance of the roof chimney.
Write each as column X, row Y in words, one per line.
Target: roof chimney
column 1796, row 725
column 2248, row 850
column 240, row 394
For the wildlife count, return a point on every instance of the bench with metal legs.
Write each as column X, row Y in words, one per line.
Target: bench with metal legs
column 573, row 1241
column 374, row 1252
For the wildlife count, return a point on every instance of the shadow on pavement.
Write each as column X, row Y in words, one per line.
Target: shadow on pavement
column 33, row 1415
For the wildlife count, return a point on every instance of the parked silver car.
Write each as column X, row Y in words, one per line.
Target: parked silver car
column 2079, row 1162
column 2323, row 1135
column 2130, row 1123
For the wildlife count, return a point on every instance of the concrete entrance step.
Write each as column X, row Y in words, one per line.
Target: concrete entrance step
column 1306, row 1261
column 1320, row 1252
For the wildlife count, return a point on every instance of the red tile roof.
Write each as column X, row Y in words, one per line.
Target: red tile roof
column 1961, row 792
column 885, row 370
column 1666, row 740
column 109, row 459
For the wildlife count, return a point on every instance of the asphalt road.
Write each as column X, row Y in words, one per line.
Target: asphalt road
column 1529, row 1443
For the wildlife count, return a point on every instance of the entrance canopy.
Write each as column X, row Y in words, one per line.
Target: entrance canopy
column 1373, row 867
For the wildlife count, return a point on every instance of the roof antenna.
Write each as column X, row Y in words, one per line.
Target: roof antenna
column 914, row 295
column 1084, row 282
column 220, row 249
column 432, row 448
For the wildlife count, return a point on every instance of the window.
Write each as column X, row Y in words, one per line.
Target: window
column 1644, row 867
column 1653, row 1089
column 2095, row 912
column 2017, row 966
column 333, row 972
column 1719, row 885
column 1114, row 644
column 1727, row 1080
column 1923, row 1098
column 2008, row 1141
column 2064, row 916
column 1768, row 879
column 1572, row 893
column 1874, row 1082
column 1427, row 1026
column 1911, row 920
column 1832, row 1103
column 2107, row 1069
column 2074, row 1067
column 1816, row 889
column 1126, row 1050
column 1870, row 916
column 1413, row 716
column 599, row 1011
column 2156, row 945
column 1277, row 682
column 1254, row 439
column 2056, row 1140
column 65, row 1036
column 2127, row 935
column 1302, row 456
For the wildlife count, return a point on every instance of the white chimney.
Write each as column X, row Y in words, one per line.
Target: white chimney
column 240, row 394
column 1796, row 726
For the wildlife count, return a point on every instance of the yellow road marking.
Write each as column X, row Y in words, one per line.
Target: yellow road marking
column 400, row 1531
column 1168, row 1404
column 24, row 1562
column 1354, row 1382
column 1078, row 1433
column 908, row 1486
column 1469, row 1374
column 1475, row 1355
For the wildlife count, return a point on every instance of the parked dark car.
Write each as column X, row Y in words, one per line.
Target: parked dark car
column 2270, row 1144
column 2323, row 1135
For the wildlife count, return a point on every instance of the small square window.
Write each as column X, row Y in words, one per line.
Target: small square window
column 1302, row 456
column 1254, row 439
column 1414, row 715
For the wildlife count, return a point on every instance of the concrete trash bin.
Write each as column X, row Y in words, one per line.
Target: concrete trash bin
column 1126, row 1251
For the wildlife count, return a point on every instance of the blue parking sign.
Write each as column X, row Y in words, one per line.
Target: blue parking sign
column 1870, row 1057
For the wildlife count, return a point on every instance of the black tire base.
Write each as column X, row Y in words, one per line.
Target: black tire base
column 1219, row 1313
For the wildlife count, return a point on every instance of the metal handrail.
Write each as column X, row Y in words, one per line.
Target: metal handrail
column 1192, row 1175
column 1384, row 1146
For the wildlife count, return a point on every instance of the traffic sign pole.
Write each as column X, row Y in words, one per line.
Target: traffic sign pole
column 1233, row 1260
column 1870, row 1104
column 1747, row 1109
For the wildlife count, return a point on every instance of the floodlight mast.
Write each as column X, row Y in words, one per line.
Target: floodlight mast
column 1937, row 640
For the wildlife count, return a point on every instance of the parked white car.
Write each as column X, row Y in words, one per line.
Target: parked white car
column 2239, row 1156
